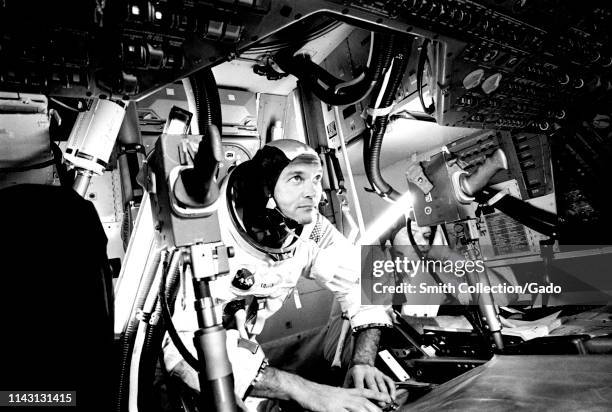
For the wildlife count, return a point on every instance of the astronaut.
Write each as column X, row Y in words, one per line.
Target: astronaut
column 433, row 245
column 269, row 212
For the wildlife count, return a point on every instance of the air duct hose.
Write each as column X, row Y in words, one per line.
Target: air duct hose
column 537, row 219
column 154, row 335
column 208, row 106
column 373, row 145
column 206, row 96
column 129, row 335
column 329, row 88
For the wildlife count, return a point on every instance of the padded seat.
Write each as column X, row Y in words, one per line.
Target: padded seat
column 56, row 306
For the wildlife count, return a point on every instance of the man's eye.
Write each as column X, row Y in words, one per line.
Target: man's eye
column 296, row 178
column 317, row 178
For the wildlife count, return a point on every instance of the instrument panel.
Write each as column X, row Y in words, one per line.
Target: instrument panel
column 506, row 65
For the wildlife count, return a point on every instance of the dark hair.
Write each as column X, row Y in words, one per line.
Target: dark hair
column 255, row 179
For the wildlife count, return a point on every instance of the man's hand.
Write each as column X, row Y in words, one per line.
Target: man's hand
column 315, row 397
column 363, row 373
column 323, row 398
column 369, row 377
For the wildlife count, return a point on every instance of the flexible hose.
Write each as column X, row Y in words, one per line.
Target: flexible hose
column 329, row 88
column 419, row 77
column 154, row 335
column 206, row 96
column 373, row 162
column 212, row 93
column 367, row 135
column 384, row 60
column 144, row 317
column 381, row 51
column 198, row 180
column 400, row 63
column 525, row 213
column 273, row 46
column 126, row 343
column 176, row 339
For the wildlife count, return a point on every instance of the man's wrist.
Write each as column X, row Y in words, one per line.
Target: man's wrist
column 366, row 346
column 301, row 391
column 277, row 384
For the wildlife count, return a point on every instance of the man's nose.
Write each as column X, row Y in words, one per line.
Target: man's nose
column 310, row 189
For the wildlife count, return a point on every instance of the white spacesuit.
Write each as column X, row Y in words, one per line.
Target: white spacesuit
column 272, row 252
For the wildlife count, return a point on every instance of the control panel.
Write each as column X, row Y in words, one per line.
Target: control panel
column 528, row 157
column 518, row 66
column 116, row 48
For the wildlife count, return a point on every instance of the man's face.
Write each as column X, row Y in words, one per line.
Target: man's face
column 298, row 191
column 421, row 236
column 403, row 247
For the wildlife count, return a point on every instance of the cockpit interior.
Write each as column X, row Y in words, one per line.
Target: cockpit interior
column 456, row 135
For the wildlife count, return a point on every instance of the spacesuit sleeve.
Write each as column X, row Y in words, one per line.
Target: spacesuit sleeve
column 245, row 363
column 337, row 266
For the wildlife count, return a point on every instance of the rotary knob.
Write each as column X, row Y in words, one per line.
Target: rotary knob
column 578, row 83
column 563, row 79
column 543, row 125
column 593, row 56
column 491, row 83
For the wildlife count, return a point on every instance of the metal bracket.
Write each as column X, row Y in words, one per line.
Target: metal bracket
column 209, row 260
column 416, row 175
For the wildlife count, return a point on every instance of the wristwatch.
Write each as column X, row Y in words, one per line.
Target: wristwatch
column 260, row 373
column 257, row 379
